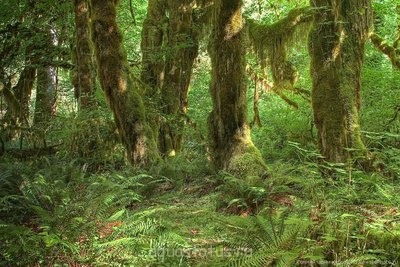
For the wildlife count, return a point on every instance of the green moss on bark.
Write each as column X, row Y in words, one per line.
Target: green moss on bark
column 121, row 88
column 336, row 45
column 85, row 74
column 231, row 147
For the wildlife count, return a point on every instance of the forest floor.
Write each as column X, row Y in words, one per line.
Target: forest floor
column 58, row 214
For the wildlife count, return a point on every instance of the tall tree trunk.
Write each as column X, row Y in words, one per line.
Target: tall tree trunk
column 23, row 91
column 231, row 147
column 336, row 45
column 45, row 101
column 85, row 74
column 121, row 88
column 151, row 45
column 88, row 140
column 169, row 46
column 182, row 49
column 45, row 94
column 17, row 99
column 46, row 84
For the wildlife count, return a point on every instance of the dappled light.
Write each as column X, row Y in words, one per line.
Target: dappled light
column 199, row 133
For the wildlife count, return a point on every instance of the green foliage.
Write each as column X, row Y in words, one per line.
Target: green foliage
column 74, row 208
column 386, row 21
column 274, row 240
column 237, row 195
column 90, row 138
column 62, row 216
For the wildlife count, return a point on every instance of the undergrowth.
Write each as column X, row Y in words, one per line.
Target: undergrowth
column 57, row 213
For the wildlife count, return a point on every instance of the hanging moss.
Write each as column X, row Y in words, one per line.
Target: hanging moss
column 271, row 42
column 267, row 40
column 337, row 49
column 392, row 51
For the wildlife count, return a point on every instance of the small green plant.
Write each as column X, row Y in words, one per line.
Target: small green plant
column 273, row 239
column 241, row 195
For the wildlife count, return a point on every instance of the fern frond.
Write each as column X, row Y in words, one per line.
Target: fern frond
column 275, row 241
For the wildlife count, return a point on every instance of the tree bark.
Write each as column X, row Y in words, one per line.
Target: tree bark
column 151, row 45
column 182, row 49
column 336, row 45
column 45, row 101
column 231, row 147
column 152, row 74
column 169, row 47
column 45, row 94
column 17, row 99
column 121, row 88
column 85, row 74
column 46, row 83
column 89, row 140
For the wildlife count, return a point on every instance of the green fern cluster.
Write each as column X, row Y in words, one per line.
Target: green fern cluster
column 141, row 242
column 47, row 217
column 273, row 239
column 237, row 195
column 350, row 220
column 55, row 213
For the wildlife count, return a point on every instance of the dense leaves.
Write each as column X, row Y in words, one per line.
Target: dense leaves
column 69, row 197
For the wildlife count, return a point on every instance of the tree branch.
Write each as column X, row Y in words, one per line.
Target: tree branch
column 392, row 52
column 261, row 34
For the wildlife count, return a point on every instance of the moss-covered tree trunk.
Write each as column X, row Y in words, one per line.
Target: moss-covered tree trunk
column 45, row 101
column 121, row 88
column 169, row 46
column 151, row 45
column 231, row 147
column 88, row 139
column 336, row 45
column 181, row 51
column 17, row 99
column 85, row 74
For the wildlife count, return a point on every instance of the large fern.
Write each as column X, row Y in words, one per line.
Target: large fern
column 59, row 206
column 273, row 240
